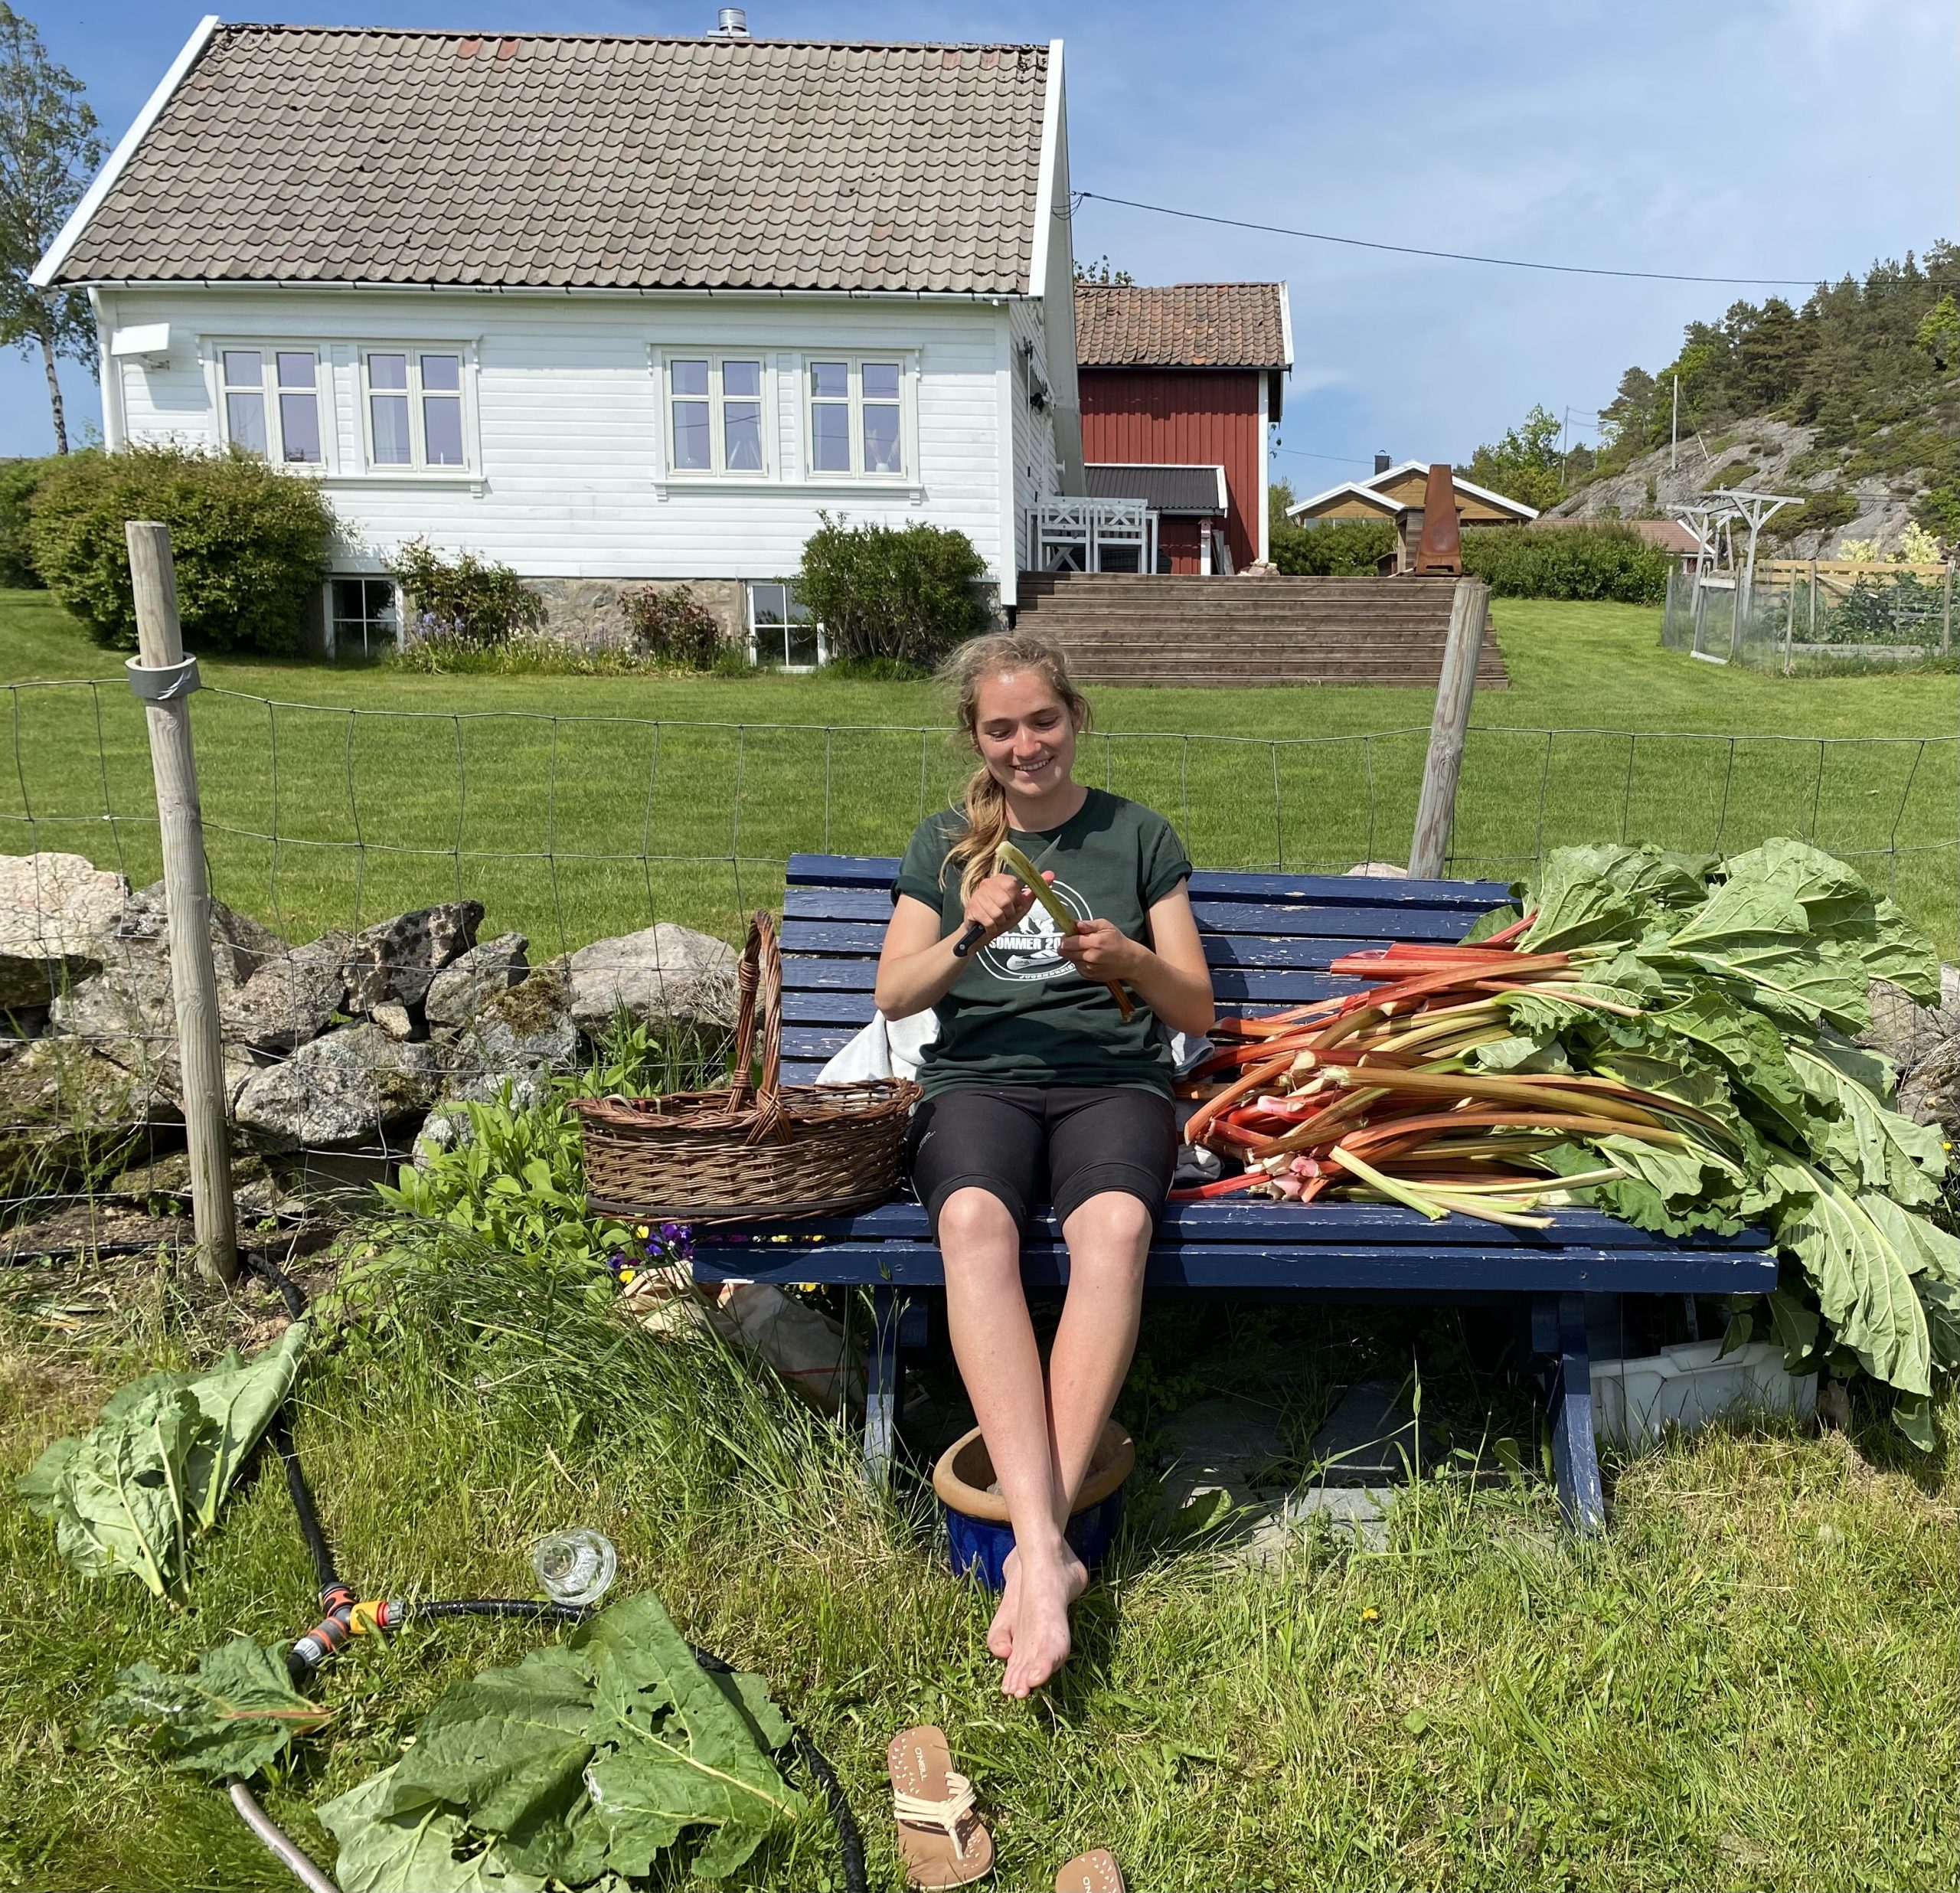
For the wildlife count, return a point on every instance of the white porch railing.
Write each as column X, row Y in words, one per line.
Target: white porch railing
column 1095, row 535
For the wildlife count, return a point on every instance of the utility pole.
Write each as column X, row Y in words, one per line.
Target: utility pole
column 1675, row 430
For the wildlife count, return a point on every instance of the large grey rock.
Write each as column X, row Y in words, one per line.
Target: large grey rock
column 464, row 987
column 399, row 959
column 69, row 1115
column 127, row 1010
column 1922, row 1042
column 256, row 1192
column 351, row 1086
column 1377, row 870
column 664, row 974
column 521, row 1034
column 289, row 999
column 53, row 910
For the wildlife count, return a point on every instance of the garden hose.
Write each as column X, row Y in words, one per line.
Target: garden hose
column 343, row 1616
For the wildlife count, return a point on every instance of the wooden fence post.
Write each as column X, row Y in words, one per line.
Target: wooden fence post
column 1946, row 613
column 164, row 678
column 1436, row 812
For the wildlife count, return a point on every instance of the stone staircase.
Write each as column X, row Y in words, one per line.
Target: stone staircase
column 1122, row 628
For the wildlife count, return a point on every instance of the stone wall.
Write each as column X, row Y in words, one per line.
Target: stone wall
column 586, row 611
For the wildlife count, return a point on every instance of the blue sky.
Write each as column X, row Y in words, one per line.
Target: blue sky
column 1756, row 138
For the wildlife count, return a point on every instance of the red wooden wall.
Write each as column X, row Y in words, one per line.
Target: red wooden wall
column 1185, row 418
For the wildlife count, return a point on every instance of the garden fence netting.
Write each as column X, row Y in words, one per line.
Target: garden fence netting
column 321, row 822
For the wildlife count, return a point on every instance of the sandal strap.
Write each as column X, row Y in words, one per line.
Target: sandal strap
column 919, row 1810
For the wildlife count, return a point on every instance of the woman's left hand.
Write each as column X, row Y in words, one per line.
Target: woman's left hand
column 1103, row 951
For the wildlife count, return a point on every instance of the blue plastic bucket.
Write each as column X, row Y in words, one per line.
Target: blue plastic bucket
column 977, row 1534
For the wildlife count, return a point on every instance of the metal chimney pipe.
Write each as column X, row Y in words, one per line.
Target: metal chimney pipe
column 731, row 23
column 1382, row 463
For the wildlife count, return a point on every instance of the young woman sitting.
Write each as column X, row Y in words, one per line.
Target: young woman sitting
column 1038, row 1089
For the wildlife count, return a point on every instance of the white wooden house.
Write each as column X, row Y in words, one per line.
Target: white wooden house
column 609, row 310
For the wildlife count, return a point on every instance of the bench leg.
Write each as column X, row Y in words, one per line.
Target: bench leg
column 881, row 1384
column 1558, row 1332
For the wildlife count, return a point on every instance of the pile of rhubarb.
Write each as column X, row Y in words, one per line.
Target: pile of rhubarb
column 1668, row 1038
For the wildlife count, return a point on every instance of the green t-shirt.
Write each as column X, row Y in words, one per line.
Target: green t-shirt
column 1019, row 1013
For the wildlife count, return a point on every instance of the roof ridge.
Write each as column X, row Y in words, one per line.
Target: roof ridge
column 632, row 39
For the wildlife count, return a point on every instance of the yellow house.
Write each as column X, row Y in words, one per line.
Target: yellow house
column 1391, row 492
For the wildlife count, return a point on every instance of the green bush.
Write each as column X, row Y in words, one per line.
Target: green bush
column 466, row 599
column 20, row 480
column 1576, row 562
column 910, row 593
column 442, row 653
column 672, row 625
column 1335, row 548
column 249, row 543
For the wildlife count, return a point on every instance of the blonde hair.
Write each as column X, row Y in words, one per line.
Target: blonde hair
column 985, row 803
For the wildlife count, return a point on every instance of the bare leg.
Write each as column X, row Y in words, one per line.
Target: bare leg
column 1109, row 1239
column 994, row 1341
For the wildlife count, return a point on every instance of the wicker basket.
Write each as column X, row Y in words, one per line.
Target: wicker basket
column 747, row 1151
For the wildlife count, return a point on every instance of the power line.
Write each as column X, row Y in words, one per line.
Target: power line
column 1448, row 256
column 1339, row 460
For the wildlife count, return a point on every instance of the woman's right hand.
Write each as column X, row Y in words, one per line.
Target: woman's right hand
column 998, row 904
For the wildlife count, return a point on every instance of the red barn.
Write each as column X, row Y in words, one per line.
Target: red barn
column 1178, row 384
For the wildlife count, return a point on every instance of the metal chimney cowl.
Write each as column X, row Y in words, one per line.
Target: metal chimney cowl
column 1382, row 463
column 731, row 23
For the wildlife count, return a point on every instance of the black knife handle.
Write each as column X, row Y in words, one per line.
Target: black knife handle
column 968, row 940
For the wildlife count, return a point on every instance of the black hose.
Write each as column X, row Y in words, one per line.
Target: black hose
column 849, row 1842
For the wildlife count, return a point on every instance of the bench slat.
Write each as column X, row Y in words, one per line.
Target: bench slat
column 1230, row 985
column 1471, row 897
column 1215, row 916
column 860, row 939
column 1244, row 1265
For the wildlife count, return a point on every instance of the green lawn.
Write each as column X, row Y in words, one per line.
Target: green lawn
column 577, row 807
column 1749, row 1683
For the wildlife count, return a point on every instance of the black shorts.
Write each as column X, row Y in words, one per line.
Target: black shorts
column 1029, row 1144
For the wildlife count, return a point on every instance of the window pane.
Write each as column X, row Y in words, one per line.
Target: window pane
column 245, row 421
column 295, row 370
column 441, row 374
column 442, row 429
column 299, row 426
column 801, row 642
column 742, row 436
column 742, row 378
column 691, row 435
column 243, row 367
column 830, row 381
column 766, row 604
column 391, row 424
column 881, row 448
column 387, row 371
column 880, row 380
column 690, row 377
column 830, row 437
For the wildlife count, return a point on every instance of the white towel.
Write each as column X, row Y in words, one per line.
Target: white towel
column 892, row 1047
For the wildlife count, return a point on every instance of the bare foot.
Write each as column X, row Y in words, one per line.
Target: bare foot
column 1048, row 1586
column 1000, row 1633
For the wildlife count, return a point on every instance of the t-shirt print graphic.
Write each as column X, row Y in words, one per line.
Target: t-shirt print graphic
column 1031, row 950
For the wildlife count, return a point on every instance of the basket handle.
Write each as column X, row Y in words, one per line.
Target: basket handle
column 760, row 977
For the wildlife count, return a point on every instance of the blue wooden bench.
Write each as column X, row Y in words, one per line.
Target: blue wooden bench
column 1269, row 938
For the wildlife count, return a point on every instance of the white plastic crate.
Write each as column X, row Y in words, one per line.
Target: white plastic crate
column 1686, row 1386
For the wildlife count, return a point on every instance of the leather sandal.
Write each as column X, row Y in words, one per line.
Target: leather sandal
column 1095, row 1871
column 944, row 1841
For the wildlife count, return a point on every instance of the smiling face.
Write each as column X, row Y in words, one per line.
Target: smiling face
column 1025, row 734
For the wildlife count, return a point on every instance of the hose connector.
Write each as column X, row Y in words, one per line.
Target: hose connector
column 336, row 1626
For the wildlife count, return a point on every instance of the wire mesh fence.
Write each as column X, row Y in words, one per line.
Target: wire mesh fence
column 324, row 825
column 1805, row 618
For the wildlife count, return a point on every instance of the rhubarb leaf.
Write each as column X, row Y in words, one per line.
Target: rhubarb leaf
column 1864, row 1280
column 1494, row 922
column 412, row 1851
column 238, row 1399
column 1878, row 1149
column 229, row 1718
column 1583, row 894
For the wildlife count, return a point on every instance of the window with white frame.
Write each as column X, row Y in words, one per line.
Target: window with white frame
column 715, row 414
column 367, row 616
column 856, row 421
column 414, row 399
column 272, row 402
column 782, row 631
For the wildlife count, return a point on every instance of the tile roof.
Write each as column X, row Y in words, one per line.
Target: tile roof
column 1181, row 326
column 306, row 154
